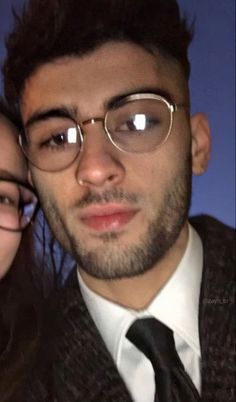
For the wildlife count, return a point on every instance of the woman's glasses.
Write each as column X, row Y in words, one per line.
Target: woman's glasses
column 18, row 203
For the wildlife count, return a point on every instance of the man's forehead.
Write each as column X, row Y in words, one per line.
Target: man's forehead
column 103, row 56
column 107, row 71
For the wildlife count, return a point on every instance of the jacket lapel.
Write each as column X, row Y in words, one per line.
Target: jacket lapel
column 83, row 369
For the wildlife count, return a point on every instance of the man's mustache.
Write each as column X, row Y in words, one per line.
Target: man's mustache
column 114, row 195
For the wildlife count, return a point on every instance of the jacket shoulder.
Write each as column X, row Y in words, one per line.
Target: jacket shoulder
column 217, row 309
column 216, row 236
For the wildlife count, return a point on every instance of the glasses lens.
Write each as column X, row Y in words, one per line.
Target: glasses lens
column 139, row 125
column 52, row 144
column 17, row 205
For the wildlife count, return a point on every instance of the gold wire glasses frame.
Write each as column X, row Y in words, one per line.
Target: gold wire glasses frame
column 136, row 123
column 18, row 204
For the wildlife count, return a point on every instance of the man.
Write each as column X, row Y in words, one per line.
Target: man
column 103, row 93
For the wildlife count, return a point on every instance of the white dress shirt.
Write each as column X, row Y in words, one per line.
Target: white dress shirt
column 176, row 305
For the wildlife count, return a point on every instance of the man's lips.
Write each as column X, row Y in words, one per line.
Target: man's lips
column 107, row 217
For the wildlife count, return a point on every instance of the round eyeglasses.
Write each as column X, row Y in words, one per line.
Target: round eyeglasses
column 18, row 204
column 137, row 123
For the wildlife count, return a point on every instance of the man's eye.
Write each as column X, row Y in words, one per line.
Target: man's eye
column 128, row 125
column 60, row 138
column 56, row 140
column 139, row 122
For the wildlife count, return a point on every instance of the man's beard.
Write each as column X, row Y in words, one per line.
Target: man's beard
column 110, row 260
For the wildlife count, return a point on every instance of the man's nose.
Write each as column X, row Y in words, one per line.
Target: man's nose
column 99, row 162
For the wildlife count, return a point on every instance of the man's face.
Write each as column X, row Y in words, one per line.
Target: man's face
column 118, row 213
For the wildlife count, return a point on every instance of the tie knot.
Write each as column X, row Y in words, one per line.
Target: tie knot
column 156, row 341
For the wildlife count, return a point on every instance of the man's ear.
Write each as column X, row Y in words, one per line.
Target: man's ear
column 201, row 143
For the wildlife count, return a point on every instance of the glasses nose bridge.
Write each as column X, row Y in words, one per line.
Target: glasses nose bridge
column 92, row 121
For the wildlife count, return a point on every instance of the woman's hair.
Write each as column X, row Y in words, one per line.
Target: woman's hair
column 37, row 271
column 19, row 310
column 20, row 322
column 24, row 294
column 10, row 113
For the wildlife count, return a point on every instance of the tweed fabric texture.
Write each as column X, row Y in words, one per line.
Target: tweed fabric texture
column 217, row 311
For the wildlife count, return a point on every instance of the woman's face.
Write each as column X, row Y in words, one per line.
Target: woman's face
column 12, row 166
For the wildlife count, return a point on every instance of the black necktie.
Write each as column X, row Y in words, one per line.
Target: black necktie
column 156, row 341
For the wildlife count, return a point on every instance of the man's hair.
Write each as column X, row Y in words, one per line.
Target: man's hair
column 50, row 29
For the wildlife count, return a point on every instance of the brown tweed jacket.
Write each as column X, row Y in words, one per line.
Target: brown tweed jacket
column 75, row 365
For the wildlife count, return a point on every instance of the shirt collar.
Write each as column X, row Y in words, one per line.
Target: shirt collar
column 111, row 319
column 176, row 305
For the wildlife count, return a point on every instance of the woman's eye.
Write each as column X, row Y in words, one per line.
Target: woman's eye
column 6, row 200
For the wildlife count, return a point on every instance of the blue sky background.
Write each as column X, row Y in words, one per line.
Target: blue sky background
column 212, row 85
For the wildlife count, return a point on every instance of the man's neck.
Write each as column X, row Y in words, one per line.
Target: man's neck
column 137, row 292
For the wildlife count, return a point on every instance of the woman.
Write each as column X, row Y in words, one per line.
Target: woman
column 19, row 302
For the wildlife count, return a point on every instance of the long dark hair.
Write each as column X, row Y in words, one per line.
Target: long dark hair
column 20, row 322
column 36, row 273
column 20, row 310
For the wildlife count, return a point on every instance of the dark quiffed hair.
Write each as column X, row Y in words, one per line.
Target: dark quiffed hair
column 49, row 29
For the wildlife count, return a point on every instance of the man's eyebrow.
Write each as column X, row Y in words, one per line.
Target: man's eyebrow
column 68, row 112
column 41, row 115
column 140, row 90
